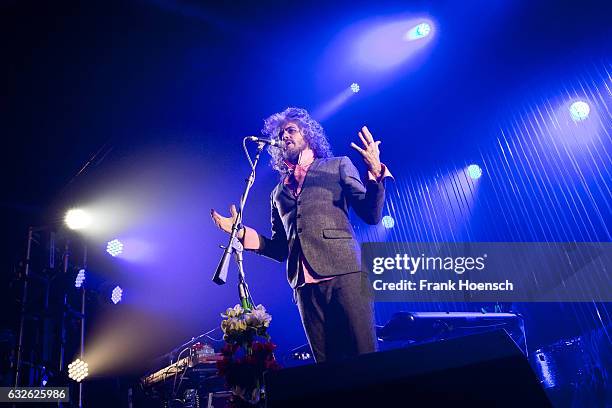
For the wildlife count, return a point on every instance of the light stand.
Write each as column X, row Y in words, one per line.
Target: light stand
column 24, row 300
column 82, row 345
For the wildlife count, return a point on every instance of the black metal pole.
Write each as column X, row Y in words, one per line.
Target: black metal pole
column 63, row 326
column 82, row 350
column 64, row 309
column 24, row 299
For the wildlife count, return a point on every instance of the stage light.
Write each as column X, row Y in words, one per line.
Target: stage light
column 116, row 295
column 388, row 221
column 579, row 111
column 355, row 87
column 80, row 278
column 387, row 44
column 474, row 171
column 77, row 219
column 114, row 247
column 78, row 370
column 419, row 31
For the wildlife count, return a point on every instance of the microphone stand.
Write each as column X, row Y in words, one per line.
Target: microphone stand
column 234, row 245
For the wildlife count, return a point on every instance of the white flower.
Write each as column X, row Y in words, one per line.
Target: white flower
column 260, row 307
column 233, row 312
column 258, row 317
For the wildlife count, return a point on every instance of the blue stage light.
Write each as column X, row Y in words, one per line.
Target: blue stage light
column 355, row 87
column 419, row 31
column 385, row 44
column 114, row 247
column 80, row 278
column 474, row 171
column 116, row 295
column 579, row 111
column 388, row 221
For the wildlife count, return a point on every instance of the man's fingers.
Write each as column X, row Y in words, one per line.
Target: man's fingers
column 365, row 142
column 367, row 134
column 359, row 149
column 216, row 218
column 233, row 211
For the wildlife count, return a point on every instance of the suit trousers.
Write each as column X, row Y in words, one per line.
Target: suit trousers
column 338, row 316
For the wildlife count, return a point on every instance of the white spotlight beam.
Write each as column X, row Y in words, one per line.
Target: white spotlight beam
column 77, row 219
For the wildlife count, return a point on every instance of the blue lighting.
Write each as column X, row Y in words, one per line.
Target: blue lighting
column 383, row 45
column 545, row 371
column 116, row 295
column 114, row 247
column 474, row 171
column 388, row 221
column 419, row 31
column 355, row 87
column 579, row 111
column 80, row 278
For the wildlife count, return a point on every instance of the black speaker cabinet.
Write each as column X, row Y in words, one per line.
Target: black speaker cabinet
column 482, row 370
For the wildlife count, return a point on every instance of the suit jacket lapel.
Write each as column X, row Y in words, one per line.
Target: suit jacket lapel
column 313, row 167
column 285, row 188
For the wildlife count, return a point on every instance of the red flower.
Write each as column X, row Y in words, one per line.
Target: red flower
column 271, row 365
column 257, row 347
column 269, row 346
column 223, row 366
column 229, row 349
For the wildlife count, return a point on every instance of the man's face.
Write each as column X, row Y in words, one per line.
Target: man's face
column 292, row 136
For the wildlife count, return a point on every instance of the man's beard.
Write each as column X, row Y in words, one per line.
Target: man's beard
column 293, row 153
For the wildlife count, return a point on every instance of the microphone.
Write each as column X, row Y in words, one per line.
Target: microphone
column 271, row 142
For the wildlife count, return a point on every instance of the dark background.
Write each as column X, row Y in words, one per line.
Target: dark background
column 126, row 78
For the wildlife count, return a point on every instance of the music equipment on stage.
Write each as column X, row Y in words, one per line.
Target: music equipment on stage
column 573, row 371
column 481, row 370
column 422, row 327
column 560, row 364
column 200, row 359
column 186, row 383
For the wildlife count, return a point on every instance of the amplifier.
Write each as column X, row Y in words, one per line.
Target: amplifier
column 424, row 327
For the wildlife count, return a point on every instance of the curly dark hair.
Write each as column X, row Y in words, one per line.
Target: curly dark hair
column 311, row 129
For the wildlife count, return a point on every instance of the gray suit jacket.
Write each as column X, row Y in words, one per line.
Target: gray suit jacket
column 317, row 219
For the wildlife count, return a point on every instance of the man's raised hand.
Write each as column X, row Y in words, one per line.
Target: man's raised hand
column 370, row 152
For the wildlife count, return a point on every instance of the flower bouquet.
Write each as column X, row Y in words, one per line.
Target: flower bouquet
column 247, row 354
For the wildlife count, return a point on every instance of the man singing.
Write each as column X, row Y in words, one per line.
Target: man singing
column 312, row 232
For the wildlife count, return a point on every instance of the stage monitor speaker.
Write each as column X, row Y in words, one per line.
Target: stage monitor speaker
column 482, row 370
